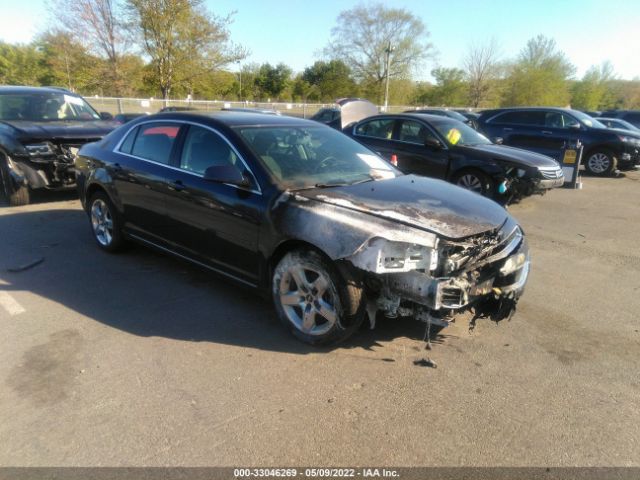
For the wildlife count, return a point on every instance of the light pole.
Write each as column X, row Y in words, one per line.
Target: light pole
column 388, row 51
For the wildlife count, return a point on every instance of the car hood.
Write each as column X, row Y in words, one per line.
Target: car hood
column 510, row 154
column 62, row 129
column 424, row 203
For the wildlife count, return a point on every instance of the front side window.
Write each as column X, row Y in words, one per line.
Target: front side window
column 381, row 128
column 204, row 148
column 560, row 120
column 45, row 107
column 154, row 141
column 303, row 157
column 414, row 132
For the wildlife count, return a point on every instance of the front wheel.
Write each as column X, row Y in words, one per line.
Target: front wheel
column 13, row 196
column 105, row 222
column 314, row 300
column 600, row 162
column 474, row 180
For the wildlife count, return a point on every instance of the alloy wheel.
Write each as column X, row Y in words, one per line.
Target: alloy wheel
column 470, row 182
column 102, row 222
column 599, row 162
column 308, row 299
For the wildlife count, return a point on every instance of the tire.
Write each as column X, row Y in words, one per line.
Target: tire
column 106, row 223
column 10, row 195
column 600, row 163
column 304, row 286
column 475, row 181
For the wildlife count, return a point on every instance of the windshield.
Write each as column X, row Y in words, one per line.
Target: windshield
column 45, row 107
column 459, row 134
column 587, row 120
column 314, row 156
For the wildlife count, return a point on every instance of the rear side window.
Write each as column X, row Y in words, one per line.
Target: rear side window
column 128, row 142
column 154, row 141
column 525, row 117
column 381, row 128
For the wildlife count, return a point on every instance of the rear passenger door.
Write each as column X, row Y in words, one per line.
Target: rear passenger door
column 377, row 135
column 412, row 153
column 213, row 222
column 140, row 173
column 559, row 128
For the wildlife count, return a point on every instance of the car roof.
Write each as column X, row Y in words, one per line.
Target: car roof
column 409, row 116
column 236, row 119
column 20, row 89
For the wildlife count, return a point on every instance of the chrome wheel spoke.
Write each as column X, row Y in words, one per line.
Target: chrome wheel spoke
column 320, row 286
column 300, row 278
column 326, row 311
column 290, row 298
column 308, row 319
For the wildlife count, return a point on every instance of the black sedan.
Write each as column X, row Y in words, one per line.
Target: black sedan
column 306, row 215
column 441, row 147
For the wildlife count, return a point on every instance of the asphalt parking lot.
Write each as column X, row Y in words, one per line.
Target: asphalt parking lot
column 142, row 360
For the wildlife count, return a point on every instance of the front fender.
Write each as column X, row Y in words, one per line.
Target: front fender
column 338, row 232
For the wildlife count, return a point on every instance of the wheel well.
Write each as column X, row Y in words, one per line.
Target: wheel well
column 464, row 170
column 288, row 246
column 91, row 191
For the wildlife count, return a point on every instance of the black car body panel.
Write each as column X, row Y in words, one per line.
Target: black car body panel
column 501, row 163
column 527, row 128
column 448, row 245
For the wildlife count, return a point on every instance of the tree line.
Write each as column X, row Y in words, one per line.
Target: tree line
column 176, row 48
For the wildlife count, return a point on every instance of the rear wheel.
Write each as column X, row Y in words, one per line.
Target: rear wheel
column 474, row 180
column 11, row 195
column 106, row 224
column 314, row 300
column 600, row 162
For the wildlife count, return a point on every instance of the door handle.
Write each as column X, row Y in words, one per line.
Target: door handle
column 177, row 186
column 507, row 129
column 546, row 132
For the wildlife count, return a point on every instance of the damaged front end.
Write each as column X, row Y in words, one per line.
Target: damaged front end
column 486, row 273
column 46, row 165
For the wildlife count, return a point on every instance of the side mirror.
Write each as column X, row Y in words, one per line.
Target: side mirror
column 574, row 126
column 106, row 116
column 498, row 140
column 433, row 143
column 226, row 174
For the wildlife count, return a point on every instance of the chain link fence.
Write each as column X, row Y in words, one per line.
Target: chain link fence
column 150, row 105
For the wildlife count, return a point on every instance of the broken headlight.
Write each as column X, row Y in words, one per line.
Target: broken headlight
column 385, row 256
column 513, row 263
column 39, row 149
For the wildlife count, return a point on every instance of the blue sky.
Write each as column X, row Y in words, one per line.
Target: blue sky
column 295, row 31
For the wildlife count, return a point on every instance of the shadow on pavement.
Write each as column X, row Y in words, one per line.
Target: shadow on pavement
column 145, row 293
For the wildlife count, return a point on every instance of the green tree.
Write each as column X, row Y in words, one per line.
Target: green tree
column 450, row 90
column 99, row 26
column 539, row 76
column 182, row 39
column 594, row 91
column 20, row 64
column 271, row 81
column 331, row 80
column 362, row 36
column 67, row 63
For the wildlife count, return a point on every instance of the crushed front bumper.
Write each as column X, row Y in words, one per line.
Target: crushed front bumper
column 505, row 277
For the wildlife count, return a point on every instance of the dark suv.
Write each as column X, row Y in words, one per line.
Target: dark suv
column 547, row 130
column 41, row 130
column 631, row 116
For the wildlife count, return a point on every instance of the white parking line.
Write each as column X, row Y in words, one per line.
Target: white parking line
column 10, row 304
